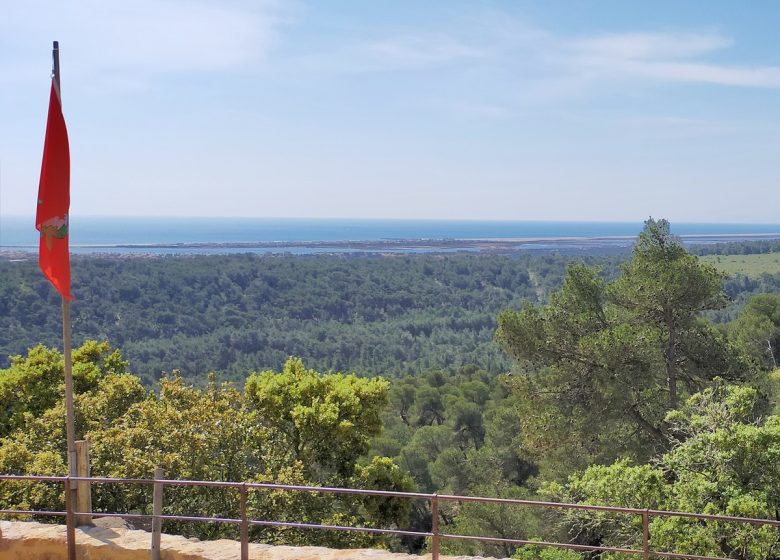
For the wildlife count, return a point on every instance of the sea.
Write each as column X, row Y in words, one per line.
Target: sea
column 160, row 236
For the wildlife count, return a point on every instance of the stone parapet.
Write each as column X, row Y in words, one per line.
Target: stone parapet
column 38, row 541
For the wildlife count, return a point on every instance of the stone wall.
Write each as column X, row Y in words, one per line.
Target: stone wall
column 37, row 541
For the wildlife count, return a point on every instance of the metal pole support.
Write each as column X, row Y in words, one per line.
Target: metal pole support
column 70, row 521
column 244, row 524
column 646, row 535
column 435, row 527
column 157, row 503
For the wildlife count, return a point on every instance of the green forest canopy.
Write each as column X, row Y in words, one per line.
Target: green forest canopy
column 235, row 314
column 624, row 392
column 388, row 315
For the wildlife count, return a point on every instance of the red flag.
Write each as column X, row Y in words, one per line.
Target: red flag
column 51, row 219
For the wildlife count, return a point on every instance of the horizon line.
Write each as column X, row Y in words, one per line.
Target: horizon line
column 393, row 219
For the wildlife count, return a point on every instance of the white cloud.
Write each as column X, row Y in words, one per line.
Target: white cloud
column 130, row 42
column 403, row 52
column 505, row 55
column 421, row 50
column 758, row 77
column 662, row 57
column 483, row 110
column 172, row 36
column 645, row 46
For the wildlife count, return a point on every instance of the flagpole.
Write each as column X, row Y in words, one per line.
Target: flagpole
column 66, row 334
column 70, row 428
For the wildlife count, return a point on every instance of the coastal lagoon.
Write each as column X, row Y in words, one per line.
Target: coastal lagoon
column 137, row 235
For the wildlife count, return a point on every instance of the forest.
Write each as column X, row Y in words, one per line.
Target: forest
column 648, row 381
column 381, row 315
column 385, row 316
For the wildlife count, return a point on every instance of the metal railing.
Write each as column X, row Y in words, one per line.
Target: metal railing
column 435, row 500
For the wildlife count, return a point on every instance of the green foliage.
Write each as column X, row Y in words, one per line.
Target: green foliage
column 725, row 462
column 325, row 421
column 773, row 389
column 536, row 552
column 738, row 248
column 747, row 265
column 236, row 314
column 607, row 360
column 501, row 521
column 297, row 426
column 459, row 434
column 757, row 330
column 35, row 383
column 383, row 474
column 453, row 433
column 599, row 365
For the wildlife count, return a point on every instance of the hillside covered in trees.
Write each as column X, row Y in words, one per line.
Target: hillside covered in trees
column 236, row 314
column 388, row 315
column 622, row 392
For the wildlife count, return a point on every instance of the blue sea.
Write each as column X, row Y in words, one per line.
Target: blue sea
column 141, row 235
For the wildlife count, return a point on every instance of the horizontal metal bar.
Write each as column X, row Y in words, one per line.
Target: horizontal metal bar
column 32, row 512
column 534, row 503
column 710, row 517
column 107, row 480
column 690, row 556
column 120, row 515
column 34, row 478
column 251, row 485
column 199, row 519
column 296, row 525
column 270, row 486
column 385, row 493
column 331, row 489
column 543, row 543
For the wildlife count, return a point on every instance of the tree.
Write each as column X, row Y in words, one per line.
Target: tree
column 297, row 426
column 36, row 382
column 33, row 436
column 726, row 461
column 605, row 361
column 666, row 287
column 757, row 329
column 496, row 520
column 326, row 421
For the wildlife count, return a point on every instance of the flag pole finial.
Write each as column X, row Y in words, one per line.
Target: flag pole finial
column 55, row 70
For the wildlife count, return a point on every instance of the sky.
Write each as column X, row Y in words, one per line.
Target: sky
column 521, row 110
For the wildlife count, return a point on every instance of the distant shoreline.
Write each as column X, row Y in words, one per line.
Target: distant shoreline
column 395, row 246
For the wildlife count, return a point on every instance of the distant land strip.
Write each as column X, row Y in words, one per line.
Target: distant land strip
column 489, row 245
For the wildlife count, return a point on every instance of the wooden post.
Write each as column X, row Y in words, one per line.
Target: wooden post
column 157, row 502
column 83, row 488
column 646, row 535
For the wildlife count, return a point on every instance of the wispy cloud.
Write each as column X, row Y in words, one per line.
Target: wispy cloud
column 173, row 36
column 673, row 126
column 644, row 46
column 422, row 50
column 129, row 43
column 496, row 66
column 662, row 57
column 483, row 110
column 393, row 53
column 547, row 59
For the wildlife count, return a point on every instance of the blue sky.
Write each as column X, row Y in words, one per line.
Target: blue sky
column 527, row 110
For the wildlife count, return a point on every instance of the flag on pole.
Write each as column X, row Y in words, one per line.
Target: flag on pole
column 51, row 218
